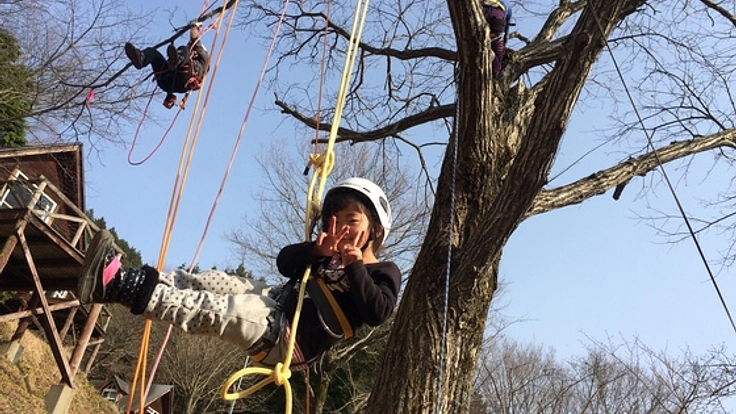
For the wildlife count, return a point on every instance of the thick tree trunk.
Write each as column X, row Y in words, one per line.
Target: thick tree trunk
column 502, row 164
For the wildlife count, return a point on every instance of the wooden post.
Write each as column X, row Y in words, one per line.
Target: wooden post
column 7, row 250
column 89, row 327
column 24, row 323
column 92, row 356
column 68, row 322
column 49, row 326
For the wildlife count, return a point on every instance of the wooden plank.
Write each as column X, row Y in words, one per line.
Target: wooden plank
column 24, row 323
column 93, row 355
column 56, row 238
column 68, row 322
column 49, row 326
column 7, row 250
column 37, row 311
column 69, row 203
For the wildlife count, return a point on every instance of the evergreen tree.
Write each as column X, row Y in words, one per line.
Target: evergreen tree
column 131, row 256
column 16, row 83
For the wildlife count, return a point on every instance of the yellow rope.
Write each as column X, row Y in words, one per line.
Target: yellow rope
column 323, row 164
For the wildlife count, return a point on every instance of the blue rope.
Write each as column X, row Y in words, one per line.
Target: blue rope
column 443, row 350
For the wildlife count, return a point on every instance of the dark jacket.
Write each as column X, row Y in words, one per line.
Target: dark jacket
column 189, row 65
column 366, row 293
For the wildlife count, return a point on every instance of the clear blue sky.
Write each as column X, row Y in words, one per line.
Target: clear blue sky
column 589, row 270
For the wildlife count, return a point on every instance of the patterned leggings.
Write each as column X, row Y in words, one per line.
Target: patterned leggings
column 213, row 303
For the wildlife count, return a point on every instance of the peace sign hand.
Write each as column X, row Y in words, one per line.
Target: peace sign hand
column 327, row 242
column 351, row 252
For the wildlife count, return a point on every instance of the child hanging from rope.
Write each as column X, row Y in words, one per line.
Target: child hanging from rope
column 182, row 72
column 356, row 218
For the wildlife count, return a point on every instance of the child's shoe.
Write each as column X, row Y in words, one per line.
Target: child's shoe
column 101, row 263
column 104, row 279
column 170, row 101
column 137, row 58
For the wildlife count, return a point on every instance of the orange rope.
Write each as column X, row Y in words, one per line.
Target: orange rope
column 177, row 191
column 201, row 243
column 141, row 364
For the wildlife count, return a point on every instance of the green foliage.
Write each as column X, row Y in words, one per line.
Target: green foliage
column 5, row 296
column 16, row 85
column 132, row 257
column 240, row 271
column 195, row 269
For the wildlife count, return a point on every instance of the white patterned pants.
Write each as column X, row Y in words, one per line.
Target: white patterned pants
column 213, row 303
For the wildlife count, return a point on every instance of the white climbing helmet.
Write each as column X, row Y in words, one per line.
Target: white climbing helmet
column 375, row 194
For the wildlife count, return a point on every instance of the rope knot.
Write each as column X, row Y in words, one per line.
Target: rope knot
column 281, row 374
column 316, row 160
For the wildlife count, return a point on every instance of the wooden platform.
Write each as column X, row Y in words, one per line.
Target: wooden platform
column 41, row 258
column 56, row 261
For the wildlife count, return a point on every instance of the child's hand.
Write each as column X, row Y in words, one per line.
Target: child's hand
column 351, row 252
column 327, row 243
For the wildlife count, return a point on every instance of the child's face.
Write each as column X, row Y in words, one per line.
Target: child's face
column 358, row 225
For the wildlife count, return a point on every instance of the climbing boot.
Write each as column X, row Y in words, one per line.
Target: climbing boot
column 105, row 280
column 137, row 58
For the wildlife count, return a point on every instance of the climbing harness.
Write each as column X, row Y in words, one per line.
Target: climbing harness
column 334, row 321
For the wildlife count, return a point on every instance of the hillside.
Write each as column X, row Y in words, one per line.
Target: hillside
column 23, row 387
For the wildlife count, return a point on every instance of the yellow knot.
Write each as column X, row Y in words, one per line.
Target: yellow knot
column 316, row 160
column 281, row 374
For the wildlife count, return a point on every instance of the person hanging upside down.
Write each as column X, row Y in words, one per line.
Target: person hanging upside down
column 181, row 72
column 356, row 218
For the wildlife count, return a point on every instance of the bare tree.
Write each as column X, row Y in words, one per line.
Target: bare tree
column 74, row 51
column 423, row 62
column 619, row 378
column 282, row 200
column 198, row 366
column 72, row 48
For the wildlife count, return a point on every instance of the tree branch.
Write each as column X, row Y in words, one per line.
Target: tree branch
column 720, row 10
column 602, row 181
column 406, row 54
column 345, row 134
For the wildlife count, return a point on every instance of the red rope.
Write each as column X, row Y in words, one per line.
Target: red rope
column 240, row 134
column 138, row 129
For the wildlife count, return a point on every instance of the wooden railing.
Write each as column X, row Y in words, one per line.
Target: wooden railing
column 66, row 218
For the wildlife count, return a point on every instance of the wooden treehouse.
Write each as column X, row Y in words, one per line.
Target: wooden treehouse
column 44, row 232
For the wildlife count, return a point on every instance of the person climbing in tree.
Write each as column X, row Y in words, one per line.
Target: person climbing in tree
column 355, row 218
column 498, row 15
column 182, row 72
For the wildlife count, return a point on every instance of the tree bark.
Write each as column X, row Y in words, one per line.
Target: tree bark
column 502, row 164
